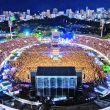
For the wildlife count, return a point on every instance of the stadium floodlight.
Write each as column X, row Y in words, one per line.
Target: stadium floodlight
column 55, row 30
column 102, row 25
column 27, row 33
column 10, row 25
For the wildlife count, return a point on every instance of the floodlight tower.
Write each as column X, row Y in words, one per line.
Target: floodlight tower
column 102, row 24
column 10, row 25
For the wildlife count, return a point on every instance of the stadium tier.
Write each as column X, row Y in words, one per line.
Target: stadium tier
column 102, row 45
column 7, row 47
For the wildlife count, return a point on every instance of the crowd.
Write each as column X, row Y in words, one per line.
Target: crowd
column 102, row 45
column 71, row 56
column 7, row 47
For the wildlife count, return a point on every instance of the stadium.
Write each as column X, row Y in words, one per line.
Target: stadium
column 20, row 56
column 39, row 55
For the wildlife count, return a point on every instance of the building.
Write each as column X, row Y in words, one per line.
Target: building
column 6, row 13
column 89, row 13
column 43, row 14
column 55, row 11
column 53, row 15
column 60, row 13
column 100, row 10
column 2, row 18
column 55, row 81
column 86, row 8
column 69, row 12
column 24, row 15
column 81, row 11
column 28, row 12
column 55, row 38
column 76, row 12
column 27, row 17
column 48, row 13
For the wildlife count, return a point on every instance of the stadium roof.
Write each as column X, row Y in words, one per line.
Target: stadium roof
column 56, row 71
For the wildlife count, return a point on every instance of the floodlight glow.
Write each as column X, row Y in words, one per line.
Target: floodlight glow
column 27, row 33
column 55, row 30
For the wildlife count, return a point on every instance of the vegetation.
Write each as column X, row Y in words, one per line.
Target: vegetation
column 20, row 35
column 9, row 37
column 108, row 35
column 42, row 28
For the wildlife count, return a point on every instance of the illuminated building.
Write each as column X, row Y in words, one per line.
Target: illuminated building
column 86, row 8
column 2, row 18
column 68, row 12
column 55, row 11
column 53, row 15
column 55, row 38
column 100, row 10
column 28, row 12
column 82, row 12
column 4, row 12
column 44, row 14
column 60, row 13
column 48, row 13
column 28, row 17
column 24, row 15
column 89, row 13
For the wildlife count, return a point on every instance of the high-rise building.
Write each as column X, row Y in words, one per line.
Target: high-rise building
column 55, row 11
column 60, row 13
column 86, row 8
column 84, row 15
column 108, row 10
column 53, row 15
column 4, row 12
column 89, row 13
column 28, row 12
column 76, row 12
column 24, row 15
column 43, row 14
column 48, row 13
column 100, row 10
column 69, row 12
column 38, row 13
column 28, row 17
column 81, row 11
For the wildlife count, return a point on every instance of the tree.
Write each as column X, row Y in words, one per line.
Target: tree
column 9, row 37
column 108, row 35
column 17, row 29
column 20, row 35
column 38, row 35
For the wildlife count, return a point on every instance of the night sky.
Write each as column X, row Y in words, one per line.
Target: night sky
column 43, row 5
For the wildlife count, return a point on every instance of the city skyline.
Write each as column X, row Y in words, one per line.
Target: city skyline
column 39, row 5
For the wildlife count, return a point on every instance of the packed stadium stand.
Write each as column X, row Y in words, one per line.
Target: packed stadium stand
column 7, row 47
column 102, row 45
